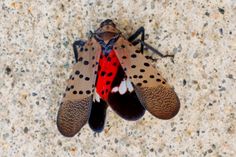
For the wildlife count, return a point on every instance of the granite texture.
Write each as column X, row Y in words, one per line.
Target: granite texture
column 36, row 58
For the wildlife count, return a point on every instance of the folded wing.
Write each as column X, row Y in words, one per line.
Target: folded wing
column 75, row 107
column 151, row 88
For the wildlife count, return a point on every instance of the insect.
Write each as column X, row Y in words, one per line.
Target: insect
column 111, row 71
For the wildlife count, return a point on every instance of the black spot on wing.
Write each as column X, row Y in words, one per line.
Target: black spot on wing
column 146, row 64
column 133, row 66
column 133, row 55
column 139, row 84
column 142, row 70
column 87, row 78
column 108, row 59
column 151, row 76
column 109, row 74
column 86, row 62
column 103, row 73
column 137, row 51
column 145, row 81
column 80, row 59
column 140, row 76
column 88, row 92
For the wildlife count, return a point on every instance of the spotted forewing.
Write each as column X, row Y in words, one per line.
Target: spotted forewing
column 76, row 103
column 151, row 88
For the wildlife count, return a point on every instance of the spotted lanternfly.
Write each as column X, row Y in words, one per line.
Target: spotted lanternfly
column 111, row 71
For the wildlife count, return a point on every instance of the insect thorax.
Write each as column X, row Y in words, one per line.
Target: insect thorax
column 106, row 48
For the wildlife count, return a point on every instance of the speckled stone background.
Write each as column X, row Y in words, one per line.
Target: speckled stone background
column 36, row 58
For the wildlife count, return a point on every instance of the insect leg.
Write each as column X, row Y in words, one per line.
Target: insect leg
column 151, row 48
column 79, row 43
column 134, row 36
column 135, row 41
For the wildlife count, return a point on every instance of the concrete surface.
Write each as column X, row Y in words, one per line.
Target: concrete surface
column 36, row 58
